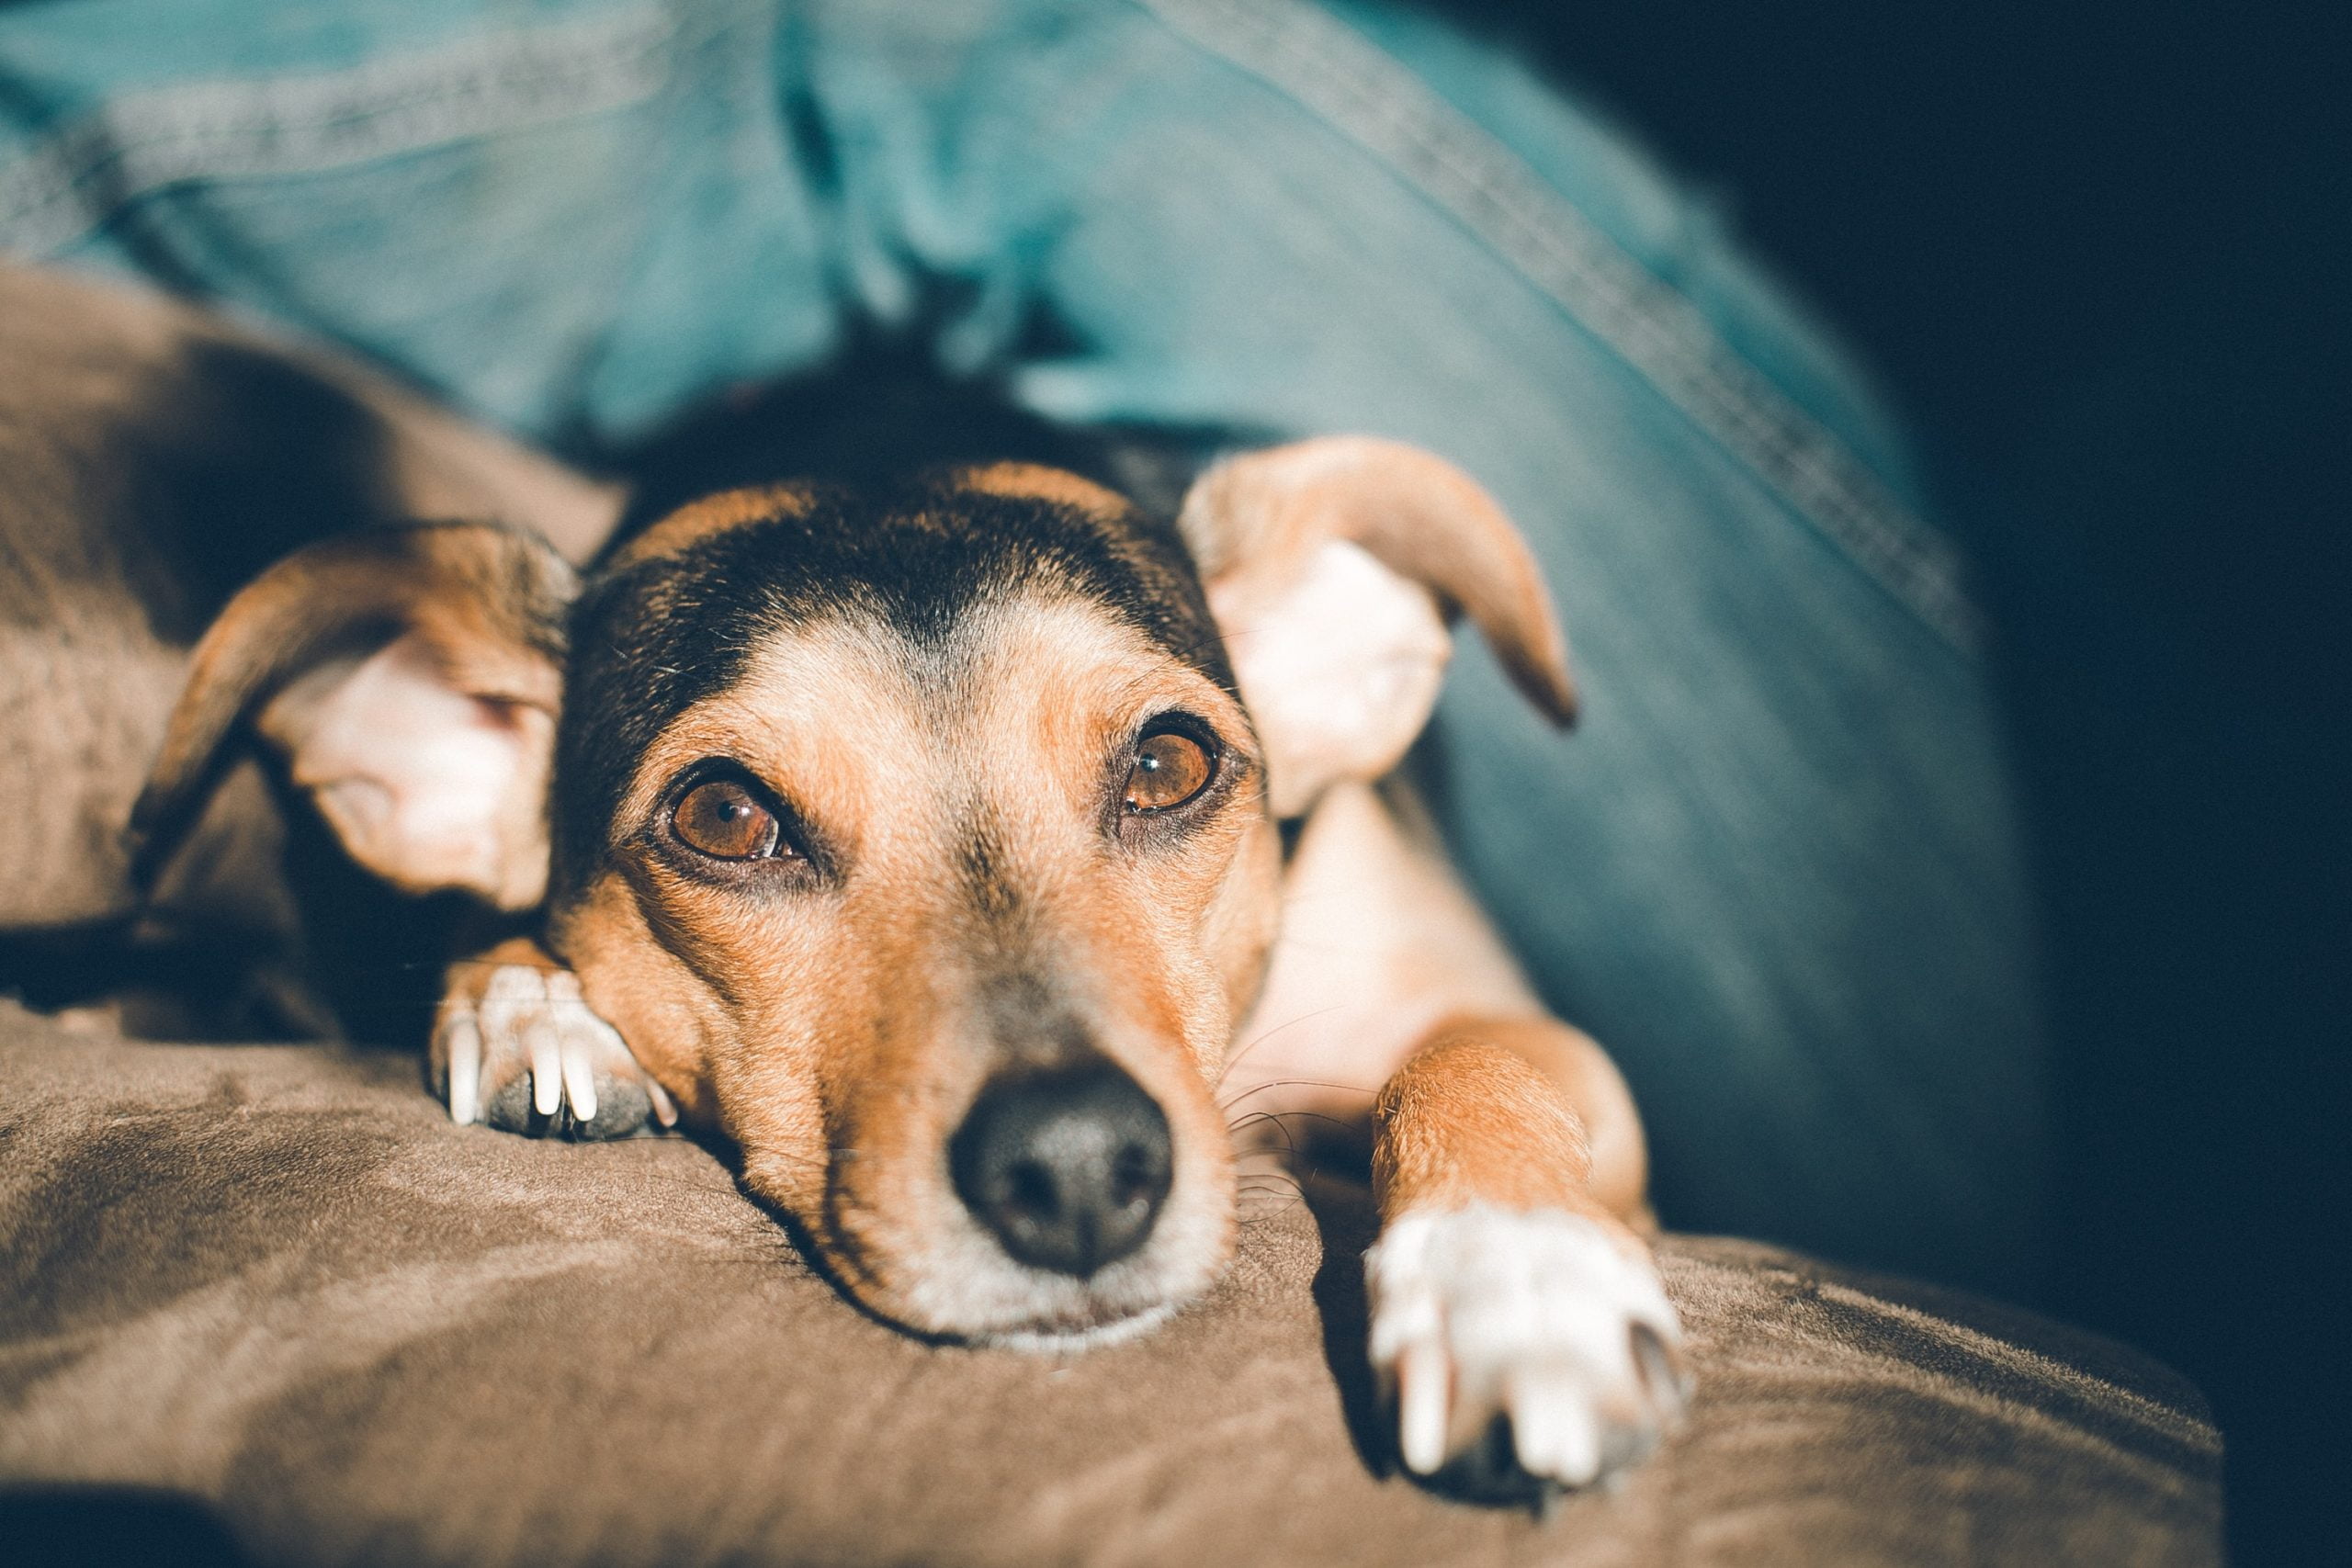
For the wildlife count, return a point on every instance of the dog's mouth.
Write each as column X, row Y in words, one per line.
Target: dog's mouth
column 1069, row 1215
column 961, row 1286
column 1060, row 1341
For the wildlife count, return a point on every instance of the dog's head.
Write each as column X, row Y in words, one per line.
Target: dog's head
column 922, row 839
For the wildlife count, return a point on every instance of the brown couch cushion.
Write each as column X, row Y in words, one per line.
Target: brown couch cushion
column 276, row 1283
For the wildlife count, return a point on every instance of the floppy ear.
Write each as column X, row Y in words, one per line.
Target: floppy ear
column 409, row 675
column 1332, row 567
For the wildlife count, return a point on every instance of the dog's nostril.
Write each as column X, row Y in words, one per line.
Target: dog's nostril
column 1067, row 1167
column 1030, row 1189
column 1136, row 1176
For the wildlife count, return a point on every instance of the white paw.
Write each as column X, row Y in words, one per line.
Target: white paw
column 521, row 1050
column 1540, row 1317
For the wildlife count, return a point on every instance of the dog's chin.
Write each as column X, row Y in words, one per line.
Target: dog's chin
column 1059, row 1341
column 1023, row 1309
column 961, row 1286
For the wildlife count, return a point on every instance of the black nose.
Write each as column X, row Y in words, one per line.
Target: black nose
column 1067, row 1166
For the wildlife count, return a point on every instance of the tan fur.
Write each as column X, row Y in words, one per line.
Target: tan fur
column 710, row 516
column 1034, row 481
column 972, row 908
column 1470, row 1118
column 635, row 983
column 111, row 398
column 841, row 1037
column 1254, row 521
column 464, row 980
column 1382, row 955
column 1465, row 1120
column 475, row 609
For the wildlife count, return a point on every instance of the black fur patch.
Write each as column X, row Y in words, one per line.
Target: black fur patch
column 653, row 640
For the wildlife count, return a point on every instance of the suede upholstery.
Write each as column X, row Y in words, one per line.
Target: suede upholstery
column 274, row 1287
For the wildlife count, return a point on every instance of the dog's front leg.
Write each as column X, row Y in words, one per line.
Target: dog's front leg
column 515, row 1046
column 1509, row 1290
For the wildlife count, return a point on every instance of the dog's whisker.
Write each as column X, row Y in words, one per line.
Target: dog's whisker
column 1280, row 1117
column 1294, row 1193
column 1271, row 1182
column 1289, row 1143
column 1268, row 1202
column 1241, row 1056
column 1294, row 1083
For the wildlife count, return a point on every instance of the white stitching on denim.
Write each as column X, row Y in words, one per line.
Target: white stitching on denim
column 76, row 178
column 1374, row 101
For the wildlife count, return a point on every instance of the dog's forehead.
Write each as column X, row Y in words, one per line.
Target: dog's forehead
column 917, row 555
column 1009, row 718
column 679, row 614
column 677, row 534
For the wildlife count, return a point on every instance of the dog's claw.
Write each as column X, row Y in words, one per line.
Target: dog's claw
column 1554, row 1426
column 1485, row 1321
column 462, row 1039
column 521, row 1050
column 1421, row 1379
column 546, row 1066
column 580, row 1085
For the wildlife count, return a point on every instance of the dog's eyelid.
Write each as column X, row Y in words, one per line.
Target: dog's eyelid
column 1234, row 750
column 1179, row 721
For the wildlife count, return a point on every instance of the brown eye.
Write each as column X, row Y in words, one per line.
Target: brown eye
column 1170, row 769
column 723, row 821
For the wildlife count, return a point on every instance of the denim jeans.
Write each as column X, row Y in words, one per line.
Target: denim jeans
column 1774, row 871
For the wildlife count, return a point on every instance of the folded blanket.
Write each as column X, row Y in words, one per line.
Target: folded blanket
column 270, row 1296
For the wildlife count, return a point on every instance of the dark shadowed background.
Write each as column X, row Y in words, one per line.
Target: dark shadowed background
column 2087, row 247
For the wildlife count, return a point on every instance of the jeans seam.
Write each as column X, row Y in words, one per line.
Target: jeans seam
column 147, row 142
column 1377, row 102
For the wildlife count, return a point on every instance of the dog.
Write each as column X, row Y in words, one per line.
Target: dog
column 969, row 848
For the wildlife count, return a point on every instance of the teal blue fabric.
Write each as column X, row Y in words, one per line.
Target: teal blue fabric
column 1776, row 869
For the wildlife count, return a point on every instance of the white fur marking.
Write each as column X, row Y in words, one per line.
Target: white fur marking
column 1481, row 1311
column 536, row 1020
